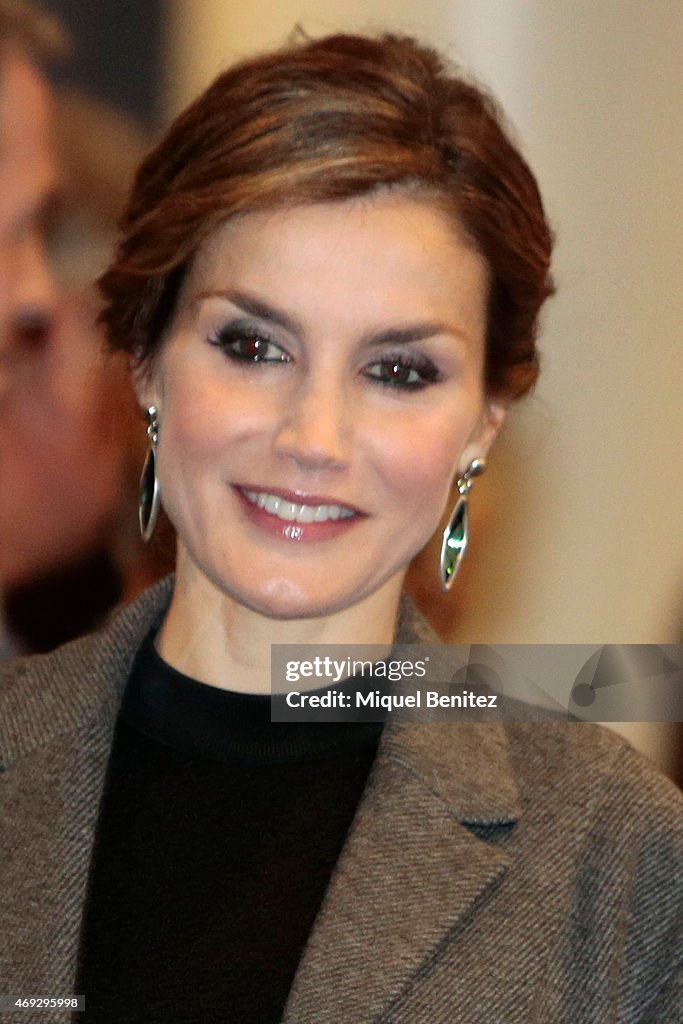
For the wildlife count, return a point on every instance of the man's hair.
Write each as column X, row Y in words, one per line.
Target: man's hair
column 27, row 27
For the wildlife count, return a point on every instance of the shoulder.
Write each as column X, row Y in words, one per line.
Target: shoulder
column 583, row 768
column 591, row 899
column 46, row 696
column 621, row 821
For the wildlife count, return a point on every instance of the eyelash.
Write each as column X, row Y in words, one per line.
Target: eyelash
column 402, row 365
column 228, row 338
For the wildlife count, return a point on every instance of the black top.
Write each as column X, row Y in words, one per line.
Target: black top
column 217, row 834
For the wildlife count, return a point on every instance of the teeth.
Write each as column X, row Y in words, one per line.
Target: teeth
column 292, row 512
column 306, row 513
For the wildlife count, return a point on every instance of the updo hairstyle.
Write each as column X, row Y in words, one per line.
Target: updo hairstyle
column 328, row 120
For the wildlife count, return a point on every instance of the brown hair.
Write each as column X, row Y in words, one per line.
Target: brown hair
column 326, row 120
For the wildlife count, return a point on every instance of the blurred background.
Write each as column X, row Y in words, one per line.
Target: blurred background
column 577, row 533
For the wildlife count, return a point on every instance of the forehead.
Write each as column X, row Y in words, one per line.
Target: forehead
column 27, row 167
column 384, row 256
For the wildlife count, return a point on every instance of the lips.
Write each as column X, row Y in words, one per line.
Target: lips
column 295, row 515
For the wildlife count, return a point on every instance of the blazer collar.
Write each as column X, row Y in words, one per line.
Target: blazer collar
column 466, row 766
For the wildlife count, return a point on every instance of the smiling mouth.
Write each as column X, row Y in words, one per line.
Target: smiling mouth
column 295, row 511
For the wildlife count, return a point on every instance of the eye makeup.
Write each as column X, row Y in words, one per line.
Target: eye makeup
column 245, row 343
column 410, row 371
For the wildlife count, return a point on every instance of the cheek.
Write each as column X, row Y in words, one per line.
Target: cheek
column 418, row 491
column 203, row 420
column 186, row 436
column 420, row 460
column 188, row 445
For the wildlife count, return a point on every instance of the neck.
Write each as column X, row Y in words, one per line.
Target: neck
column 209, row 636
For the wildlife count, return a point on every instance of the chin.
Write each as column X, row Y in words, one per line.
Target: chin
column 285, row 599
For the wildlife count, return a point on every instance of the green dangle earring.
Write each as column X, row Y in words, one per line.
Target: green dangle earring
column 456, row 535
column 149, row 504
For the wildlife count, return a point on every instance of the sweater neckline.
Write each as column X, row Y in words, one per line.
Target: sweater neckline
column 200, row 720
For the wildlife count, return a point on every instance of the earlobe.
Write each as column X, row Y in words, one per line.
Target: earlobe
column 485, row 433
column 144, row 384
column 493, row 419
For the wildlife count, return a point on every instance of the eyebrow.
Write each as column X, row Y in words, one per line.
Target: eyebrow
column 416, row 332
column 258, row 307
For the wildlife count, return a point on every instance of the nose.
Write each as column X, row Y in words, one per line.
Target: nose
column 27, row 304
column 315, row 427
column 35, row 293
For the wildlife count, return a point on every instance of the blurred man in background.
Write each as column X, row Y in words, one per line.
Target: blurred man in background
column 71, row 437
column 28, row 183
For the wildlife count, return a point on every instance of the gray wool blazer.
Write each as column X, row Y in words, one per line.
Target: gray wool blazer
column 493, row 873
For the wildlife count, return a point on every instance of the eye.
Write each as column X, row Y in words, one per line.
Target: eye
column 408, row 372
column 248, row 345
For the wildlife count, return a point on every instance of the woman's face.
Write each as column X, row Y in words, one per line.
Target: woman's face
column 318, row 390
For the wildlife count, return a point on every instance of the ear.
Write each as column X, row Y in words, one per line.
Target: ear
column 485, row 432
column 145, row 383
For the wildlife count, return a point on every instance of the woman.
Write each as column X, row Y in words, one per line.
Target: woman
column 329, row 282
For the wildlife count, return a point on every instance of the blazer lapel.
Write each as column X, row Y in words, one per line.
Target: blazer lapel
column 410, row 872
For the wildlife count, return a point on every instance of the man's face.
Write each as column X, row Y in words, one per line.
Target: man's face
column 27, row 184
column 61, row 458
